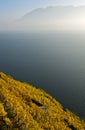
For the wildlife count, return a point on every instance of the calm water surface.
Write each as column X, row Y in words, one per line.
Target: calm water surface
column 54, row 62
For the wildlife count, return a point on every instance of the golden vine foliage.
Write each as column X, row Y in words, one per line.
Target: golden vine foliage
column 24, row 107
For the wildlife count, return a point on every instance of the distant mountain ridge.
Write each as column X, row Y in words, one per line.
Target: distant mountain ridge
column 53, row 18
column 56, row 9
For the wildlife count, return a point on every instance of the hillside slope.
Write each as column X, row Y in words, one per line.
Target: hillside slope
column 24, row 107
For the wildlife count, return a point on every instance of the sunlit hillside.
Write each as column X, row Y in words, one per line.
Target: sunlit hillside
column 24, row 107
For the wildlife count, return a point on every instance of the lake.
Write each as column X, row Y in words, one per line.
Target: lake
column 52, row 61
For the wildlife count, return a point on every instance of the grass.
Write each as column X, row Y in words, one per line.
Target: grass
column 24, row 107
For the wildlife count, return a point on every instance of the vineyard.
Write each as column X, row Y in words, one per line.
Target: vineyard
column 24, row 107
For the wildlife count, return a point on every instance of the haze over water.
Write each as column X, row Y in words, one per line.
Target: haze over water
column 52, row 61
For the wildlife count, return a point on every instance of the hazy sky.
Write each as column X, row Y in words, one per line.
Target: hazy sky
column 11, row 10
column 16, row 8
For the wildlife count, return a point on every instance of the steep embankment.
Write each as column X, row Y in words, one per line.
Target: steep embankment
column 24, row 107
